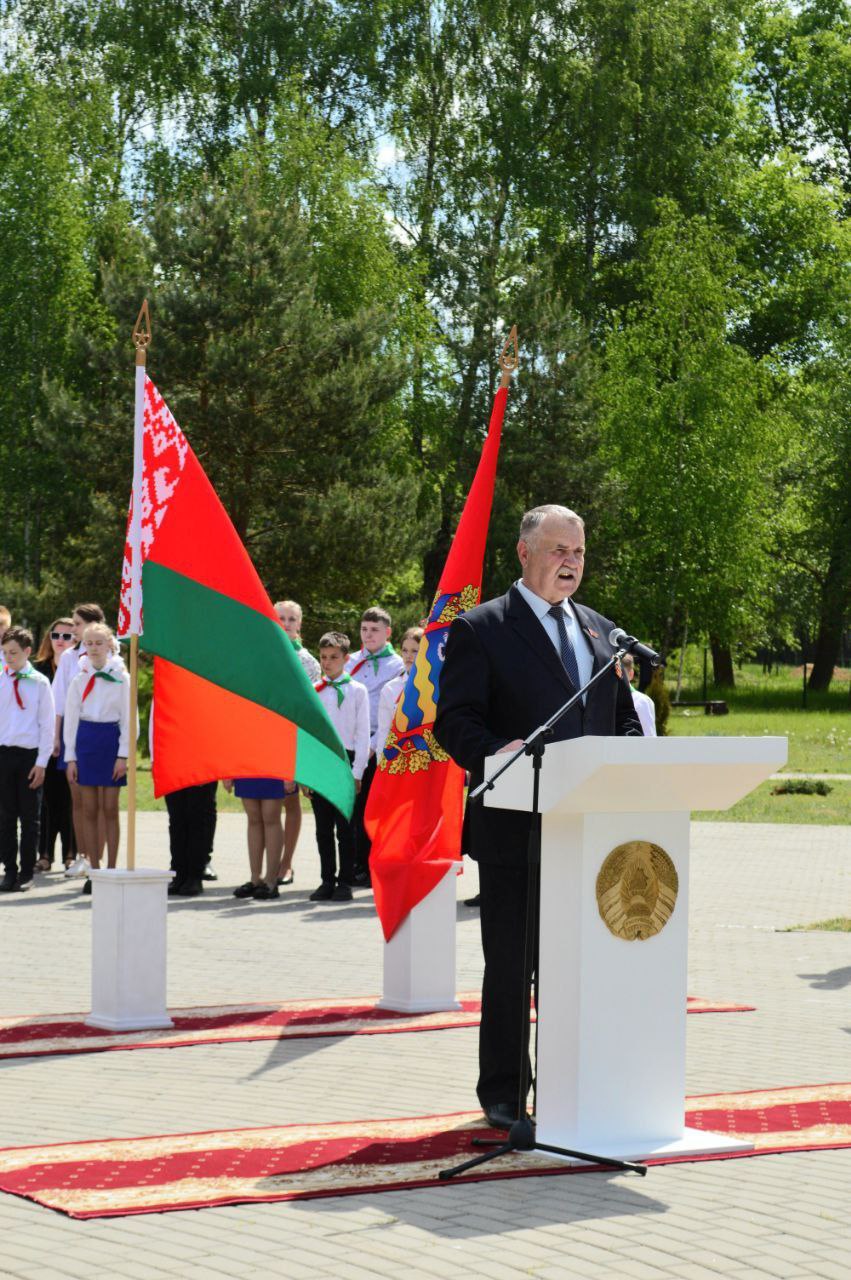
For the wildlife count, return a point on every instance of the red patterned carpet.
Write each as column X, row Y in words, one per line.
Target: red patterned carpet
column 220, row 1024
column 292, row 1162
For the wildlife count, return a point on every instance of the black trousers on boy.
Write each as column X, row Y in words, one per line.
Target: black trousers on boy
column 18, row 804
column 333, row 831
column 363, row 844
column 191, row 825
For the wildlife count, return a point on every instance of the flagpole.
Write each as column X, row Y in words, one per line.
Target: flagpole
column 508, row 362
column 141, row 341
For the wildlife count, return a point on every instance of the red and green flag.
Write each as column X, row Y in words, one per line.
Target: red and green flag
column 232, row 699
column 414, row 813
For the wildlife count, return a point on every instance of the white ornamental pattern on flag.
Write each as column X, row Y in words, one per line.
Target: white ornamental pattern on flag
column 165, row 451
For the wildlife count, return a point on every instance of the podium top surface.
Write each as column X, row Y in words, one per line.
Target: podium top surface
column 639, row 775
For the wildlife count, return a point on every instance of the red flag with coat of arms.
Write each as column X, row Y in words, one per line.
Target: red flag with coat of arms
column 414, row 813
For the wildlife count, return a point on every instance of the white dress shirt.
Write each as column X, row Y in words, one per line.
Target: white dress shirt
column 645, row 709
column 28, row 726
column 66, row 670
column 388, row 667
column 541, row 609
column 351, row 720
column 387, row 700
column 108, row 703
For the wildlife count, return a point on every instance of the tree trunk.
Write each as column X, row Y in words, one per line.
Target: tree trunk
column 723, row 675
column 834, row 604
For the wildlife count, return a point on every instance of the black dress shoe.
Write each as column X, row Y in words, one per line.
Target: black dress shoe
column 189, row 889
column 473, row 902
column 8, row 883
column 175, row 888
column 501, row 1115
column 209, row 873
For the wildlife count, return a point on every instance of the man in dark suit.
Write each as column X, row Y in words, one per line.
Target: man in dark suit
column 510, row 664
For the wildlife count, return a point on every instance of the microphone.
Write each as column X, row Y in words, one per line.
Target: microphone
column 619, row 639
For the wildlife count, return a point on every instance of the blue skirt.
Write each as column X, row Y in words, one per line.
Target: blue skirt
column 259, row 788
column 97, row 751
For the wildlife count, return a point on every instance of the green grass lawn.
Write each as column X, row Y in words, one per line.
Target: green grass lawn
column 763, row 705
column 225, row 803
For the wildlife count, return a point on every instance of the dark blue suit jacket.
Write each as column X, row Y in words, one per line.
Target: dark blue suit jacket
column 501, row 678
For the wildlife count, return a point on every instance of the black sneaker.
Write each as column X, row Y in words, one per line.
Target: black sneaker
column 245, row 890
column 87, row 885
column 324, row 893
column 263, row 892
column 342, row 893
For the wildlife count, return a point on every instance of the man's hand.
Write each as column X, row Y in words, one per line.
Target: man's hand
column 511, row 746
column 36, row 776
column 119, row 769
column 71, row 771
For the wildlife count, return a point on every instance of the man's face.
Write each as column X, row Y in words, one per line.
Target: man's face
column 290, row 620
column 15, row 657
column 553, row 558
column 332, row 660
column 374, row 635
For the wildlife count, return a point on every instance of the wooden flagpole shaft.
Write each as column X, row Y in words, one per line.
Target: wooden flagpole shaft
column 131, row 760
column 141, row 341
column 509, row 357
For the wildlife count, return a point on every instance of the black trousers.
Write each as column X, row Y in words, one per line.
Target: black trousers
column 363, row 844
column 504, row 890
column 56, row 819
column 18, row 804
column 191, row 826
column 335, row 839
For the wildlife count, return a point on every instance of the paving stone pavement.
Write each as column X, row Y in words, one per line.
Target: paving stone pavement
column 783, row 1216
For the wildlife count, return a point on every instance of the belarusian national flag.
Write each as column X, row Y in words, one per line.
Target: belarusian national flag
column 232, row 698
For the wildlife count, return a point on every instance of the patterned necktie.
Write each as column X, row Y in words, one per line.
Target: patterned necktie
column 568, row 654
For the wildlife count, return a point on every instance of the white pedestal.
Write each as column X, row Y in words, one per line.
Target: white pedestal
column 129, row 910
column 612, row 1013
column 419, row 960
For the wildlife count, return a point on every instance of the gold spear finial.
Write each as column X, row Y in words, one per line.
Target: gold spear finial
column 507, row 362
column 142, row 332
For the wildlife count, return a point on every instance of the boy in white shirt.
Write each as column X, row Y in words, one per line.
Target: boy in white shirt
column 375, row 663
column 347, row 704
column 26, row 741
column 409, row 649
column 645, row 707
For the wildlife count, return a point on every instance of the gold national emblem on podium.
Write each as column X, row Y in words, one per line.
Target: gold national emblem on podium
column 637, row 890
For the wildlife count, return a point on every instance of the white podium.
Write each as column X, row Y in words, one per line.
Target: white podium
column 612, row 1004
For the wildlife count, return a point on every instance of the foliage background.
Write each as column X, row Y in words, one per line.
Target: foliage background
column 337, row 210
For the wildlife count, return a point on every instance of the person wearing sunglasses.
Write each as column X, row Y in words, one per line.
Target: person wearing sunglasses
column 56, row 794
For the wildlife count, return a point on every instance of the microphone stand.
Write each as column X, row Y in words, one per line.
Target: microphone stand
column 521, row 1136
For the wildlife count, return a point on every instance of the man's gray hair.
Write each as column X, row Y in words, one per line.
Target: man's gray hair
column 533, row 519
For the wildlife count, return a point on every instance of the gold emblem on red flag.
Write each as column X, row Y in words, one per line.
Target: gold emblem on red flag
column 637, row 889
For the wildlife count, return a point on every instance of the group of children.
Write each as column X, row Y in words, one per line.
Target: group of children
column 69, row 714
column 359, row 692
column 64, row 745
